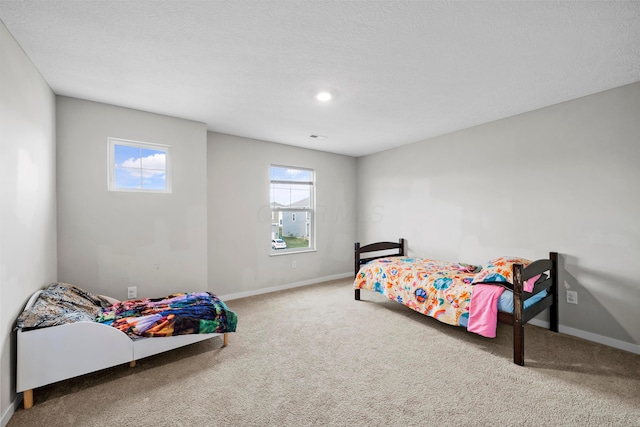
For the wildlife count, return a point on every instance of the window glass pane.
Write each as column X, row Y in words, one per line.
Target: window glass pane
column 125, row 156
column 139, row 166
column 128, row 178
column 291, row 204
column 294, row 232
column 279, row 173
column 291, row 195
column 153, row 159
column 156, row 181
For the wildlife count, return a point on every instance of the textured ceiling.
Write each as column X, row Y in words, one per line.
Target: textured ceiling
column 401, row 71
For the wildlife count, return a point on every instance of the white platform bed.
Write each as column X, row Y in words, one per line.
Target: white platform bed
column 57, row 353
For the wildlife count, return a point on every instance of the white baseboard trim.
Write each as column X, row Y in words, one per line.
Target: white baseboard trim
column 10, row 410
column 611, row 342
column 255, row 292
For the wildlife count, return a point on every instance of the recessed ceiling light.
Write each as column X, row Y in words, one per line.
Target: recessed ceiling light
column 324, row 96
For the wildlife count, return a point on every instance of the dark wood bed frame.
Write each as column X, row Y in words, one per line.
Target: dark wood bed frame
column 520, row 316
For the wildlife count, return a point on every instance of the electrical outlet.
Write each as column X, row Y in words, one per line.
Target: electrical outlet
column 572, row 297
column 294, row 264
column 132, row 292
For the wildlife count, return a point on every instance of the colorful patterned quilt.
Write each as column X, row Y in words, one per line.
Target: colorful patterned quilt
column 177, row 314
column 59, row 304
column 438, row 289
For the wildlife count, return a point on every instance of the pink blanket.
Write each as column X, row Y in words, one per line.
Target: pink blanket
column 483, row 308
column 529, row 284
column 483, row 311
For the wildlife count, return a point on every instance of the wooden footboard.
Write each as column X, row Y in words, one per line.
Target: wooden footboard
column 520, row 316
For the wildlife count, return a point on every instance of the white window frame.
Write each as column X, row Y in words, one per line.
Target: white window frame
column 111, row 175
column 310, row 212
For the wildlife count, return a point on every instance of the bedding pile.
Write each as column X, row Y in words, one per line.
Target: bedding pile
column 177, row 314
column 59, row 304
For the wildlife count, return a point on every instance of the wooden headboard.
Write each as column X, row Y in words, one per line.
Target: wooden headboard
column 390, row 248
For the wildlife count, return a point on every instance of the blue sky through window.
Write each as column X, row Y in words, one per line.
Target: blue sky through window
column 139, row 168
column 280, row 173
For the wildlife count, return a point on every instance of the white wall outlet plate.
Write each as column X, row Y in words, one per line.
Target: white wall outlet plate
column 132, row 291
column 572, row 297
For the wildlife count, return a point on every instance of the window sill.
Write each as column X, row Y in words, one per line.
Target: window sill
column 290, row 252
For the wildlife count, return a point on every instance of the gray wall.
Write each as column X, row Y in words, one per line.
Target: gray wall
column 467, row 197
column 28, row 197
column 240, row 221
column 108, row 241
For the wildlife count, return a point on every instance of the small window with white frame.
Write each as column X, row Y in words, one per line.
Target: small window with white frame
column 138, row 166
column 292, row 193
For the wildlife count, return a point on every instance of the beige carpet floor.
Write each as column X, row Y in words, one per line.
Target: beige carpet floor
column 313, row 356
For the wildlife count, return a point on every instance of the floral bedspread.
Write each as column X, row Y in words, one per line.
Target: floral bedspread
column 435, row 288
column 177, row 314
